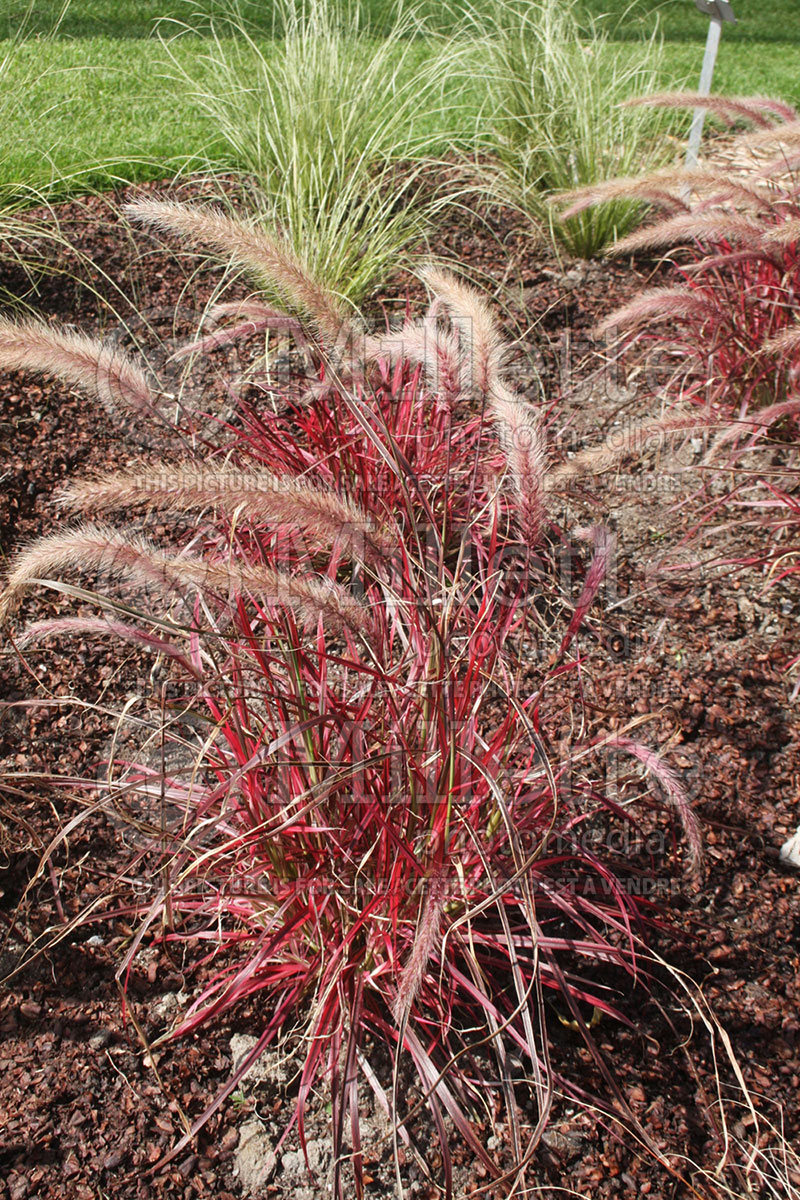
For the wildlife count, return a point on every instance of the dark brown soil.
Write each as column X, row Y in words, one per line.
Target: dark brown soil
column 84, row 1114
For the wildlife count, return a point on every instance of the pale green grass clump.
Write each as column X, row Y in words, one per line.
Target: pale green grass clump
column 557, row 117
column 321, row 102
column 325, row 121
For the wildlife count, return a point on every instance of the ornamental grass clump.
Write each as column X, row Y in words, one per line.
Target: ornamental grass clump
column 723, row 335
column 373, row 833
column 730, row 328
column 556, row 121
column 331, row 124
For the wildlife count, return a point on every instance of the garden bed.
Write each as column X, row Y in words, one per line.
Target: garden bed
column 82, row 1112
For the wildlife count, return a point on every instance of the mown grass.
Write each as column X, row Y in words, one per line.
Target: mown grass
column 102, row 109
column 759, row 21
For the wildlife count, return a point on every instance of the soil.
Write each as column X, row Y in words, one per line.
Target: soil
column 86, row 1112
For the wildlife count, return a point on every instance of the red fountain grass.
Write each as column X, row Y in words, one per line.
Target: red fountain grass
column 731, row 327
column 374, row 834
column 733, row 224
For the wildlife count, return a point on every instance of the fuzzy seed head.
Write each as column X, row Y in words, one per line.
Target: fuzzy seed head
column 101, row 372
column 259, row 495
column 270, row 260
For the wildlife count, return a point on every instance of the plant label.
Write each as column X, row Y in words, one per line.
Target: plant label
column 720, row 10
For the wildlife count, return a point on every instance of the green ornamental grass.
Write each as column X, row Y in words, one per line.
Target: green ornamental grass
column 324, row 121
column 556, row 118
column 103, row 59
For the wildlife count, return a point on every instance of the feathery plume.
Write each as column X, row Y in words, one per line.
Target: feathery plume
column 270, row 260
column 132, row 559
column 784, row 234
column 760, row 110
column 102, row 372
column 671, row 784
column 603, row 541
column 259, row 495
column 438, row 351
column 691, row 227
column 727, row 259
column 424, row 943
column 777, row 136
column 516, row 421
column 308, row 599
column 477, row 328
column 251, row 317
column 81, row 625
column 786, row 342
column 249, row 309
column 91, row 548
column 656, row 304
column 755, row 424
column 520, row 436
column 631, row 444
column 656, row 189
column 653, row 188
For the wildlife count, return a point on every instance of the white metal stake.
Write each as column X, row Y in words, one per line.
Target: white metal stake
column 706, row 75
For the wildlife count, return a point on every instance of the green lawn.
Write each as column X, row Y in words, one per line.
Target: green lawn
column 98, row 101
column 760, row 21
column 95, row 100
